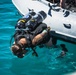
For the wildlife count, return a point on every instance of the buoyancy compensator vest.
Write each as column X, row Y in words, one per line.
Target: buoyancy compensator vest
column 28, row 37
column 36, row 20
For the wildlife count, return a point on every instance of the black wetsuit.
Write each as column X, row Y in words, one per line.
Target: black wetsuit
column 31, row 34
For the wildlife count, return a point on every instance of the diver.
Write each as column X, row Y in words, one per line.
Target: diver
column 22, row 42
column 30, row 34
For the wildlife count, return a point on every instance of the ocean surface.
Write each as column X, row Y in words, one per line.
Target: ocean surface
column 46, row 64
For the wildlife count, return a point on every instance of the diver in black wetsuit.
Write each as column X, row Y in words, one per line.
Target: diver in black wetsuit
column 30, row 34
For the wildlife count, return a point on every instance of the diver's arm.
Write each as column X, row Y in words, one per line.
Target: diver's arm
column 38, row 38
column 23, row 41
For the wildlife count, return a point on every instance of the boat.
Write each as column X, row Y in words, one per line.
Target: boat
column 61, row 21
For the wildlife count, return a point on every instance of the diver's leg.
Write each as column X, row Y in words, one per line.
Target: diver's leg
column 62, row 3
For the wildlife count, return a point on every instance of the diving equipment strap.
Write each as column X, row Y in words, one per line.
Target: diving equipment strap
column 34, row 52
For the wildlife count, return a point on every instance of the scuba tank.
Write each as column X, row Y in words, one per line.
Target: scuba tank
column 36, row 20
column 21, row 22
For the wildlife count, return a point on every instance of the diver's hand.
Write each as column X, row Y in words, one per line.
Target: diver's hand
column 62, row 54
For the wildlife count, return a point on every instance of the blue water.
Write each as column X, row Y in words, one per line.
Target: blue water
column 45, row 64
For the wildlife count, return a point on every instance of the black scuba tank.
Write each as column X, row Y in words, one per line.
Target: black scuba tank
column 21, row 22
column 36, row 20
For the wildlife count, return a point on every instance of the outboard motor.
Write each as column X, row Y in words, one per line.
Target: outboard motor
column 36, row 20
